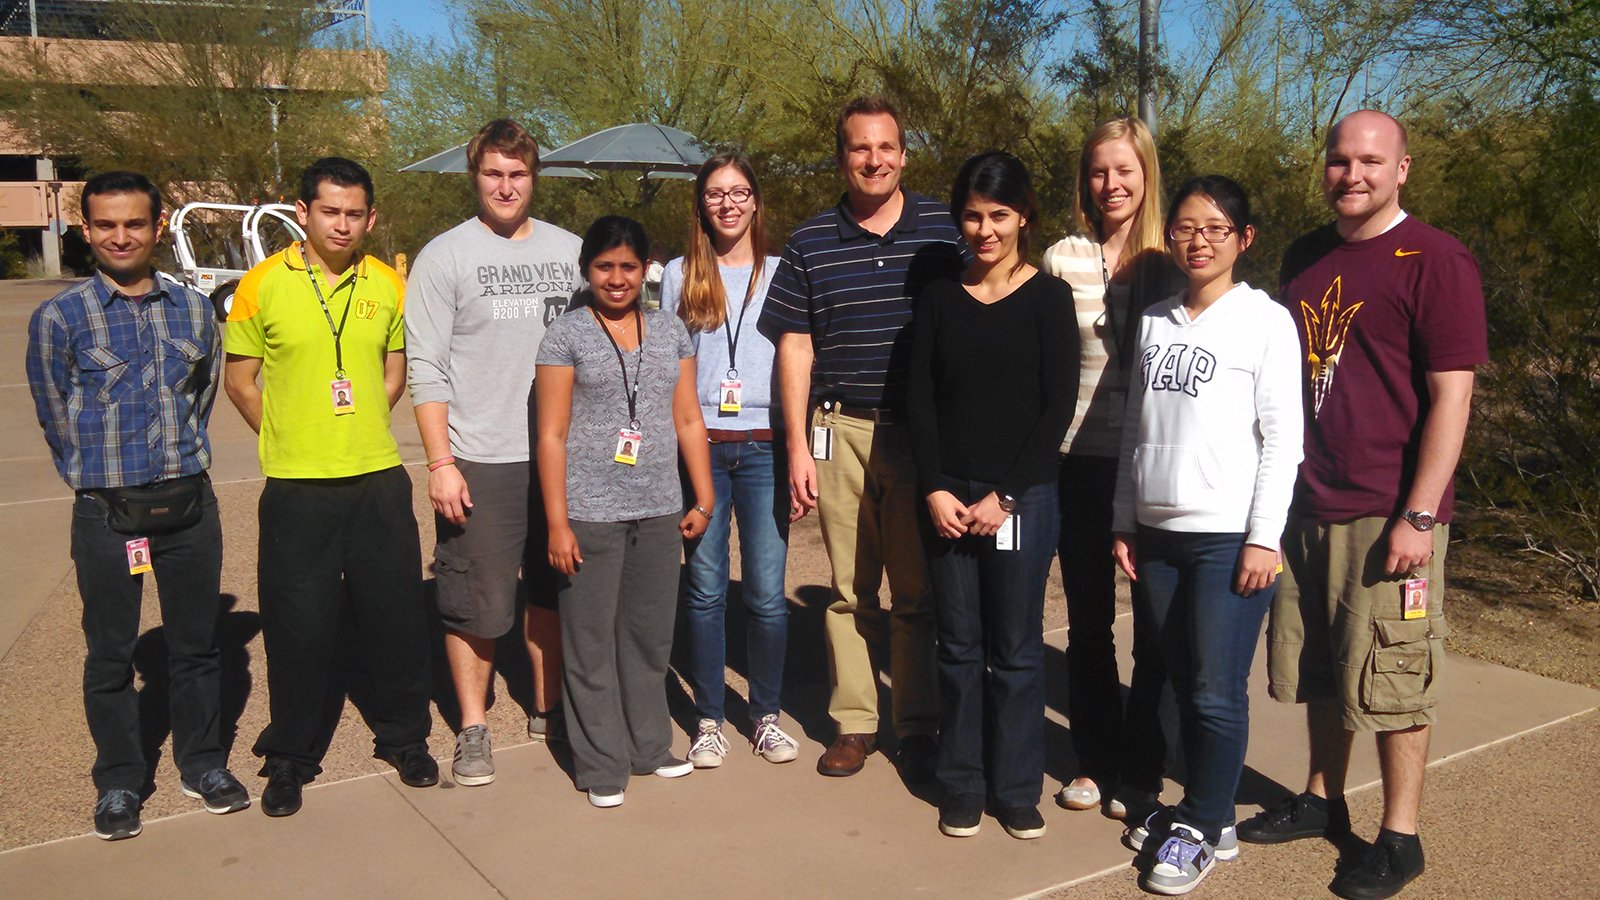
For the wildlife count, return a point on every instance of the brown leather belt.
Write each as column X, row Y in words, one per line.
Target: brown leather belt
column 718, row 436
column 880, row 416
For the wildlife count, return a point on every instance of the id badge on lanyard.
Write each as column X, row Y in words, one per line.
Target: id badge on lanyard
column 731, row 391
column 630, row 440
column 340, row 391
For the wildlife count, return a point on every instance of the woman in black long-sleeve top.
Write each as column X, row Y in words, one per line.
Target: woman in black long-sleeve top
column 994, row 376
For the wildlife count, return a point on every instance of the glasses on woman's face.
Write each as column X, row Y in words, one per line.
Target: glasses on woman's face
column 1216, row 234
column 739, row 195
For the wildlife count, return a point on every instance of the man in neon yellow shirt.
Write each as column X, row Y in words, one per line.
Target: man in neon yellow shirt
column 320, row 323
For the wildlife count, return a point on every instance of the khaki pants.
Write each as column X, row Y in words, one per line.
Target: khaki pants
column 1337, row 630
column 868, row 504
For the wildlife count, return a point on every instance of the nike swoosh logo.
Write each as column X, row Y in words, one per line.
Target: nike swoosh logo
column 1399, row 252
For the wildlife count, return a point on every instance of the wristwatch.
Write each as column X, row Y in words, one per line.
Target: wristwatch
column 1008, row 503
column 1421, row 521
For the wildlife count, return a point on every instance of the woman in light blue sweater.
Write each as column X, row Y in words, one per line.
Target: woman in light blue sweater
column 718, row 289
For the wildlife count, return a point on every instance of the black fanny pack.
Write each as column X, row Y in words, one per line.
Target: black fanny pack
column 157, row 509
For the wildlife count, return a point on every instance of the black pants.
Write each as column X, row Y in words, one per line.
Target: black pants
column 1113, row 748
column 991, row 651
column 188, row 571
column 325, row 544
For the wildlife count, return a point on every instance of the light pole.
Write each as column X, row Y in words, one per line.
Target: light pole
column 275, row 93
column 1149, row 40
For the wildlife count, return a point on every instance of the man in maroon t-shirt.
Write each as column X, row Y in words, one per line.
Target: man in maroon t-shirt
column 1391, row 317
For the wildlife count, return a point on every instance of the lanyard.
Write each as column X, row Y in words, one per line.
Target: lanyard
column 731, row 331
column 338, row 332
column 632, row 393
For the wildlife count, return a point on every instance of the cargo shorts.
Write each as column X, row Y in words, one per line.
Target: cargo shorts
column 1337, row 630
column 482, row 568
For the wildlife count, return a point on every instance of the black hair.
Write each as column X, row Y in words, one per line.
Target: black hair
column 1004, row 179
column 1220, row 190
column 121, row 182
column 342, row 172
column 609, row 233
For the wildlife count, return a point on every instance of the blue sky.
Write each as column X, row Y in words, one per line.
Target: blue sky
column 419, row 17
column 427, row 17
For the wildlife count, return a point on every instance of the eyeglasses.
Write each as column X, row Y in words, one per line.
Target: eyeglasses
column 1216, row 234
column 737, row 195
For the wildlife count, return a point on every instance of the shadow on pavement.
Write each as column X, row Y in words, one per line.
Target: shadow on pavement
column 235, row 631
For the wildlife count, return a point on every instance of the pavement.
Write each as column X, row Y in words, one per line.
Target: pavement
column 1512, row 750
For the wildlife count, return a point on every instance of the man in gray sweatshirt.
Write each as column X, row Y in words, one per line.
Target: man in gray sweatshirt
column 479, row 299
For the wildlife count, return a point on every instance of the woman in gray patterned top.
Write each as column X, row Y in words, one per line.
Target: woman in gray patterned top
column 616, row 405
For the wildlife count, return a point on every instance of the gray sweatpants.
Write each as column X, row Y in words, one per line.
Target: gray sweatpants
column 617, row 613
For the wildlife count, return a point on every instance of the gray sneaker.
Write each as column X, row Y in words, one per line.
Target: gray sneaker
column 1183, row 861
column 474, row 763
column 548, row 726
column 770, row 741
column 1227, row 847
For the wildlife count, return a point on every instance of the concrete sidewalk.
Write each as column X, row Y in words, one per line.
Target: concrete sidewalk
column 752, row 829
column 748, row 829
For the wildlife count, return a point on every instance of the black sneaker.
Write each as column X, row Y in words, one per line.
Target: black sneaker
column 1297, row 818
column 1393, row 861
column 961, row 815
column 918, row 758
column 221, row 792
column 1021, row 822
column 281, row 797
column 417, row 769
column 116, row 815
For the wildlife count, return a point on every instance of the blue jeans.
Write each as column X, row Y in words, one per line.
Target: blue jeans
column 752, row 483
column 1207, row 637
column 990, row 606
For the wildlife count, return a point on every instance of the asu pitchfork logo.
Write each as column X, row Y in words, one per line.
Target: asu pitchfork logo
column 1326, row 326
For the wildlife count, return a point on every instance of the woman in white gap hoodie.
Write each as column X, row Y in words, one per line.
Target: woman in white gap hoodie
column 1210, row 449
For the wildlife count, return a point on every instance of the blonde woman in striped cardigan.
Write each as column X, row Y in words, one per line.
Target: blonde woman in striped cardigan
column 1116, row 268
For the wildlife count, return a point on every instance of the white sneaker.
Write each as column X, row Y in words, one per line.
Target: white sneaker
column 770, row 741
column 603, row 799
column 674, row 768
column 709, row 746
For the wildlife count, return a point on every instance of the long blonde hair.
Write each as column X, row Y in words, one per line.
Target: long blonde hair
column 1148, row 220
column 703, row 305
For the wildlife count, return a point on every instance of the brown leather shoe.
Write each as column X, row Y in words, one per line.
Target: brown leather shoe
column 848, row 754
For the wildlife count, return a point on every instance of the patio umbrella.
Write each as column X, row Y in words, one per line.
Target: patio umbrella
column 658, row 150
column 455, row 160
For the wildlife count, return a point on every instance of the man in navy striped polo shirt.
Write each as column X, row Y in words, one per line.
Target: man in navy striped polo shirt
column 838, row 308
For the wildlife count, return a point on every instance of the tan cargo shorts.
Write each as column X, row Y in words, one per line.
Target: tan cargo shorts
column 1337, row 631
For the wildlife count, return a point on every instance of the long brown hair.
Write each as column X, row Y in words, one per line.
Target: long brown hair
column 1147, row 233
column 703, row 305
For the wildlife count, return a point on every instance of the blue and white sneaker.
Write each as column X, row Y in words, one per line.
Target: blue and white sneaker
column 1227, row 848
column 1183, row 861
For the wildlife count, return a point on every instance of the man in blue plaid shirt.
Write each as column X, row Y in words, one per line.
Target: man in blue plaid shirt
column 123, row 369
